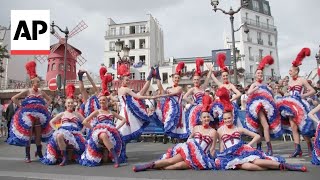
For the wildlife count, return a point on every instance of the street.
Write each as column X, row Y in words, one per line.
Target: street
column 12, row 166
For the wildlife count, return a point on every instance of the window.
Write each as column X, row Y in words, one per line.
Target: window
column 255, row 5
column 259, row 38
column 271, row 53
column 142, row 28
column 265, row 8
column 272, row 72
column 132, row 29
column 112, row 46
column 132, row 44
column 132, row 75
column 267, row 23
column 53, row 67
column 61, row 67
column 113, row 31
column 260, row 54
column 74, row 69
column 250, row 54
column 251, row 69
column 164, row 77
column 249, row 39
column 142, row 76
column 142, row 59
column 142, row 43
column 132, row 60
column 258, row 20
column 68, row 67
column 122, row 30
column 269, row 40
column 112, row 62
column 247, row 14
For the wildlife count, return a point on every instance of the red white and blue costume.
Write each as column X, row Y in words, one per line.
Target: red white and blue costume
column 32, row 107
column 134, row 111
column 193, row 113
column 297, row 108
column 94, row 150
column 236, row 152
column 262, row 100
column 71, row 130
column 195, row 152
column 217, row 109
column 316, row 148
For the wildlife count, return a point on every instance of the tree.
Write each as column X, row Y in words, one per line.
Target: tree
column 3, row 55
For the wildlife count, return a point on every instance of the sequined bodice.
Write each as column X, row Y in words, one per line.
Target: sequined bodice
column 105, row 118
column 197, row 97
column 295, row 90
column 230, row 140
column 204, row 141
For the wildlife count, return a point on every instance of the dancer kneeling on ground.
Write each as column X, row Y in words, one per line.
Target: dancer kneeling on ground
column 68, row 134
column 104, row 132
column 193, row 154
column 236, row 154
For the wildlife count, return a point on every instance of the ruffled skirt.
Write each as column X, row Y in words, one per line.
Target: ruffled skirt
column 73, row 137
column 217, row 109
column 136, row 116
column 316, row 148
column 298, row 109
column 262, row 100
column 21, row 124
column 94, row 150
column 192, row 154
column 239, row 154
column 171, row 115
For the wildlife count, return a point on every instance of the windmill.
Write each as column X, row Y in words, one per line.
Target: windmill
column 56, row 56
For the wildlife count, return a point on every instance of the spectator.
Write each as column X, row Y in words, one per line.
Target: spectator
column 57, row 108
column 285, row 87
column 277, row 91
column 244, row 98
column 3, row 123
column 12, row 107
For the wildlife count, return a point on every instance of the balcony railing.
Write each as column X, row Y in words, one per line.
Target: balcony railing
column 117, row 33
column 259, row 24
column 260, row 41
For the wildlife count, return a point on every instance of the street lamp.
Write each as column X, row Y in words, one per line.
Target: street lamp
column 66, row 32
column 124, row 59
column 231, row 13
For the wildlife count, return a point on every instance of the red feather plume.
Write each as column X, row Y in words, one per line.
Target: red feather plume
column 102, row 71
column 224, row 98
column 199, row 63
column 123, row 70
column 206, row 101
column 31, row 69
column 70, row 89
column 104, row 85
column 179, row 68
column 221, row 58
column 302, row 54
column 267, row 60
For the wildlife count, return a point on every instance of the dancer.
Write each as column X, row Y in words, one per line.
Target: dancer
column 91, row 103
column 294, row 109
column 131, row 106
column 104, row 132
column 193, row 113
column 31, row 121
column 236, row 154
column 195, row 154
column 316, row 149
column 170, row 109
column 67, row 135
column 262, row 110
column 217, row 108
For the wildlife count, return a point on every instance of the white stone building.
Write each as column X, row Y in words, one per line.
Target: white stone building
column 261, row 40
column 145, row 40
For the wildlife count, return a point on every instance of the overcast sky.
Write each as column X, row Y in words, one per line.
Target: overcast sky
column 190, row 27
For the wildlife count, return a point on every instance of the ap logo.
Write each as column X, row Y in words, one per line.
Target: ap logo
column 30, row 32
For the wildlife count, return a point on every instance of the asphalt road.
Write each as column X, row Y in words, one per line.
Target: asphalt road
column 13, row 167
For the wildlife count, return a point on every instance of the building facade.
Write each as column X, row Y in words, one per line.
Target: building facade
column 260, row 41
column 145, row 40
